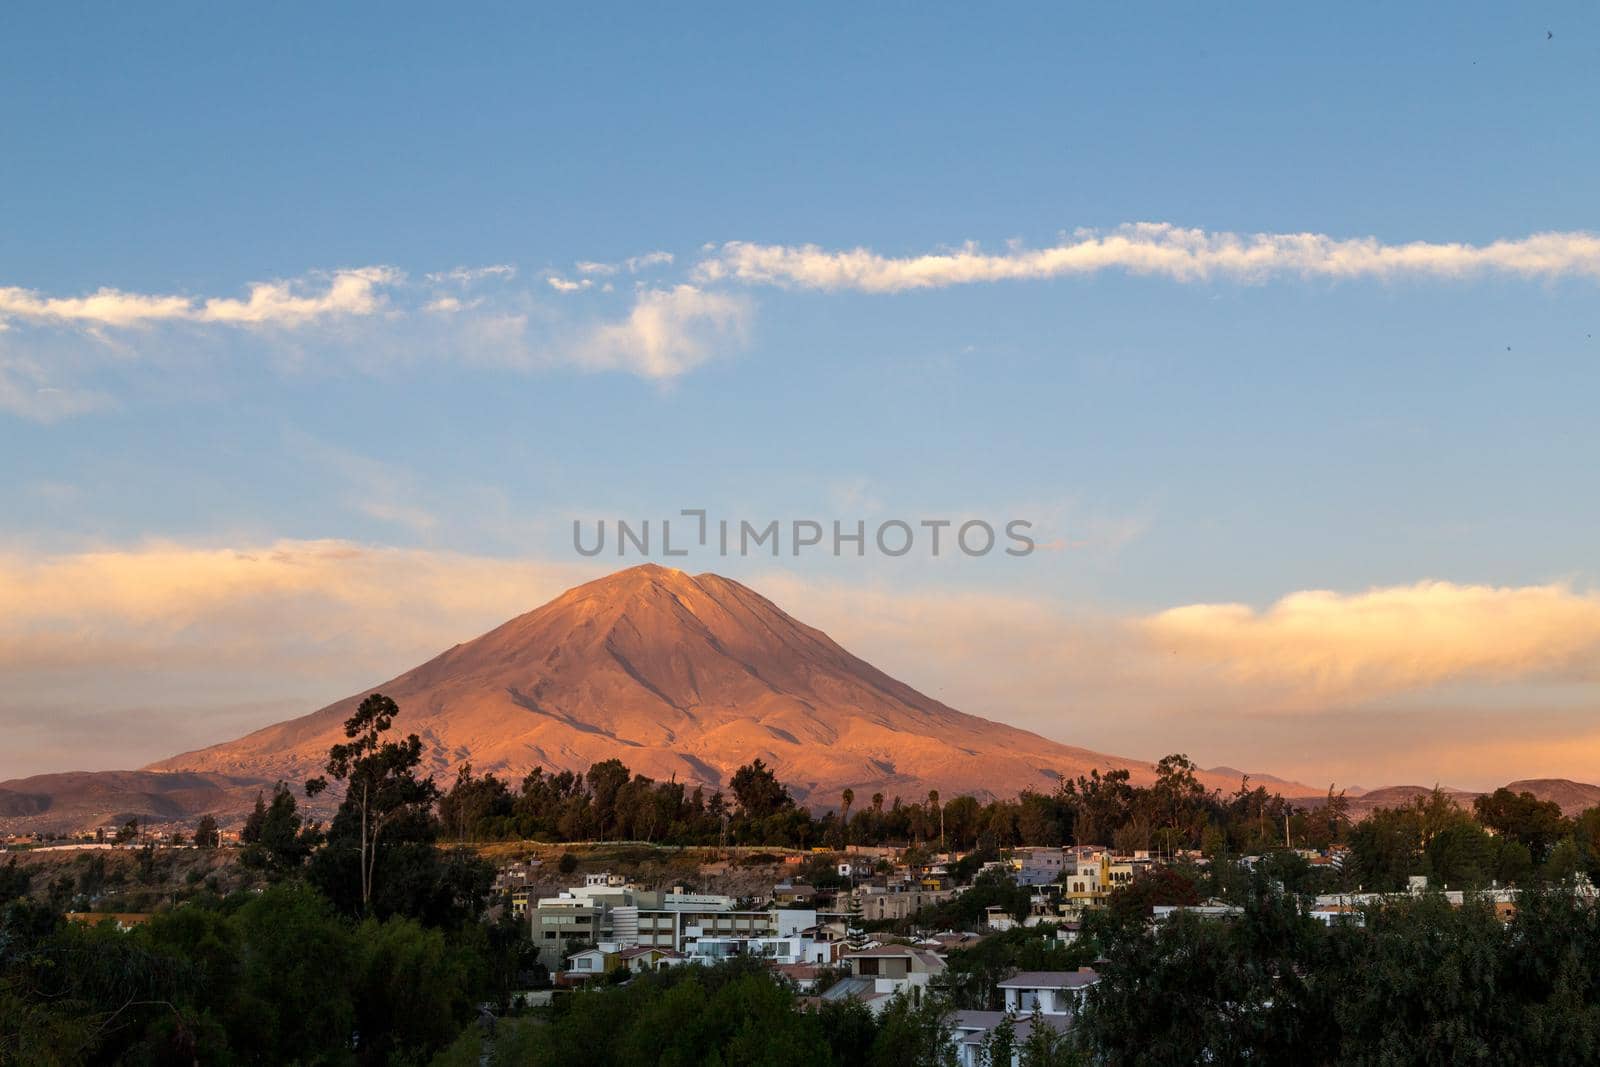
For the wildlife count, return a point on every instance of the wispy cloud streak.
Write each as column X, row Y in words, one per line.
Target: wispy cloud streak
column 1156, row 249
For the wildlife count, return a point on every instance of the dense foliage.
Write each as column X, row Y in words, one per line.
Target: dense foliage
column 350, row 955
column 1416, row 981
column 274, row 977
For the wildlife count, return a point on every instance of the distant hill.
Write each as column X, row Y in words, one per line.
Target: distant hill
column 1273, row 783
column 1573, row 797
column 77, row 800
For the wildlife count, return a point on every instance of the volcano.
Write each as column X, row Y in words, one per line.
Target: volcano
column 678, row 676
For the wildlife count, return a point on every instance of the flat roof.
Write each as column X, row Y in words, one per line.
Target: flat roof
column 1050, row 980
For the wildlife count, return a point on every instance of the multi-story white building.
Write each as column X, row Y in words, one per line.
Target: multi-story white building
column 778, row 950
column 600, row 912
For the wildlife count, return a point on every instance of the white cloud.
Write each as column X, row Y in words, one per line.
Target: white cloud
column 104, row 307
column 277, row 303
column 1151, row 248
column 470, row 275
column 665, row 334
column 669, row 332
column 348, row 292
column 633, row 264
column 371, row 319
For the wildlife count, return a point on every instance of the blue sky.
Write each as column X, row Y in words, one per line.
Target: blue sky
column 1226, row 437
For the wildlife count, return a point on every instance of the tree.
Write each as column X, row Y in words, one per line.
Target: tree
column 14, row 881
column 1337, row 811
column 411, row 991
column 1036, row 819
column 250, row 833
column 474, row 804
column 1564, row 863
column 275, row 836
column 999, row 1044
column 1194, row 990
column 297, row 971
column 848, row 1027
column 912, row 1030
column 1158, row 886
column 206, row 833
column 1523, row 817
column 1045, row 1046
column 758, row 790
column 606, row 780
column 846, row 798
column 1178, row 799
column 381, row 783
column 128, row 831
column 1385, row 848
column 1419, row 984
column 1461, row 856
column 1586, row 831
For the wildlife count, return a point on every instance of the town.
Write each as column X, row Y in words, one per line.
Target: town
column 1000, row 951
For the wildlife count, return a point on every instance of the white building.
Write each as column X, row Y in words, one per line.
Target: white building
column 600, row 912
column 879, row 973
column 795, row 948
column 969, row 1031
column 592, row 961
column 1047, row 992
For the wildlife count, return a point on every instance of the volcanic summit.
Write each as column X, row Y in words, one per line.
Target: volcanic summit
column 678, row 676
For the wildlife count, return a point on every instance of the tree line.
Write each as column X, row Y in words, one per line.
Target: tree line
column 1506, row 838
column 609, row 801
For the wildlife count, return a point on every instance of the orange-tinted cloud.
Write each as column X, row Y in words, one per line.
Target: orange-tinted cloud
column 302, row 604
column 1318, row 647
